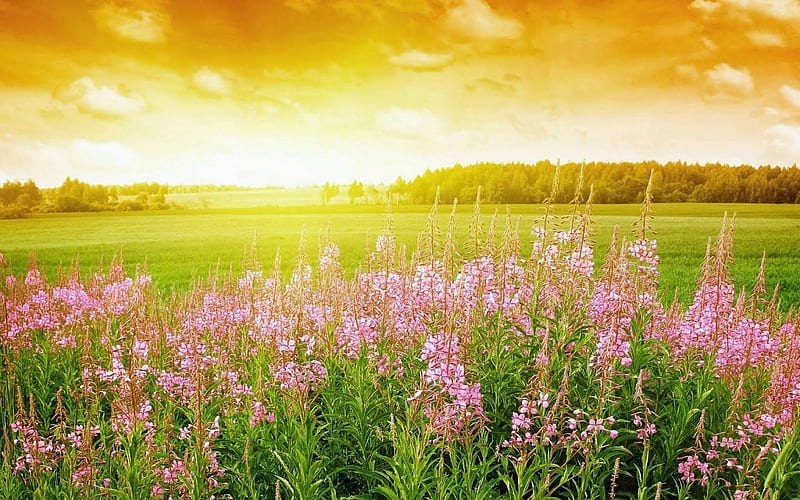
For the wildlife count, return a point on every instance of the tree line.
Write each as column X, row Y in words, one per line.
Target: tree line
column 611, row 183
column 502, row 183
column 17, row 199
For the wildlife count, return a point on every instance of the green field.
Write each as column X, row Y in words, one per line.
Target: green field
column 279, row 197
column 183, row 245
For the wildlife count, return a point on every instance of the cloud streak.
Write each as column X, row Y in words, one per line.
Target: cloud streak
column 144, row 26
column 476, row 20
column 48, row 162
column 421, row 61
column 784, row 142
column 211, row 82
column 99, row 101
column 724, row 83
column 411, row 122
column 766, row 39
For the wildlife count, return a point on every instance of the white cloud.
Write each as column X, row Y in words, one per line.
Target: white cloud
column 101, row 101
column 103, row 155
column 709, row 44
column 309, row 118
column 706, row 7
column 421, row 61
column 411, row 122
column 49, row 162
column 791, row 94
column 533, row 128
column 687, row 71
column 724, row 83
column 784, row 142
column 138, row 25
column 211, row 82
column 766, row 39
column 474, row 19
column 784, row 10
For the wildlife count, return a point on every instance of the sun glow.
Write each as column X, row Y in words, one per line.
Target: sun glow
column 303, row 91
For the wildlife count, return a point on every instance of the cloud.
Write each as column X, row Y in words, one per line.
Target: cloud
column 309, row 118
column 769, row 113
column 687, row 71
column 746, row 10
column 138, row 25
column 384, row 9
column 100, row 101
column 475, row 20
column 211, row 82
column 706, row 7
column 421, row 61
column 529, row 128
column 6, row 6
column 710, row 44
column 723, row 83
column 328, row 77
column 304, row 6
column 103, row 155
column 784, row 141
column 784, row 10
column 491, row 84
column 411, row 122
column 766, row 39
column 48, row 162
column 791, row 94
column 374, row 9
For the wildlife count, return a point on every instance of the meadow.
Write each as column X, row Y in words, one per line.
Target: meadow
column 182, row 246
column 501, row 361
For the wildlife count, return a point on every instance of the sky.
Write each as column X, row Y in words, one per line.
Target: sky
column 298, row 92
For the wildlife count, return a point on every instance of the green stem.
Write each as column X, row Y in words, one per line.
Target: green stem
column 777, row 467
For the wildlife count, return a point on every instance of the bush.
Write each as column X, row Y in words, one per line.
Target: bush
column 12, row 212
column 71, row 204
column 128, row 206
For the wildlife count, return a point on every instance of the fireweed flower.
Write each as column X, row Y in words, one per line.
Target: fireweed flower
column 451, row 405
column 138, row 360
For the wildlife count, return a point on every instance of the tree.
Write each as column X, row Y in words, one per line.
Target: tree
column 9, row 192
column 32, row 190
column 355, row 191
column 373, row 194
column 66, row 203
column 25, row 201
column 328, row 191
column 398, row 190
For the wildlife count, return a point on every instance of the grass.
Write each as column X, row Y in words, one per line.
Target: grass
column 251, row 198
column 185, row 245
column 481, row 380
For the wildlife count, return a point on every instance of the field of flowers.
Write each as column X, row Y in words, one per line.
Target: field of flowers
column 471, row 372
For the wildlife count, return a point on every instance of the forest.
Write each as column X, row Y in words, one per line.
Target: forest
column 514, row 183
column 508, row 183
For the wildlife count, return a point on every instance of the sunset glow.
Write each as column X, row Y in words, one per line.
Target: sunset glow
column 294, row 92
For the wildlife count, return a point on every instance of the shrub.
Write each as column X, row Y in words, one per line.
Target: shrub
column 129, row 205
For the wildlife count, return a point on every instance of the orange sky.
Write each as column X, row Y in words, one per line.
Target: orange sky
column 271, row 92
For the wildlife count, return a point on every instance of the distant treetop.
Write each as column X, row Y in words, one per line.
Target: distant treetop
column 612, row 183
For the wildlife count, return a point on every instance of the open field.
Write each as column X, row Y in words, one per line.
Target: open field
column 471, row 380
column 278, row 197
column 180, row 246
